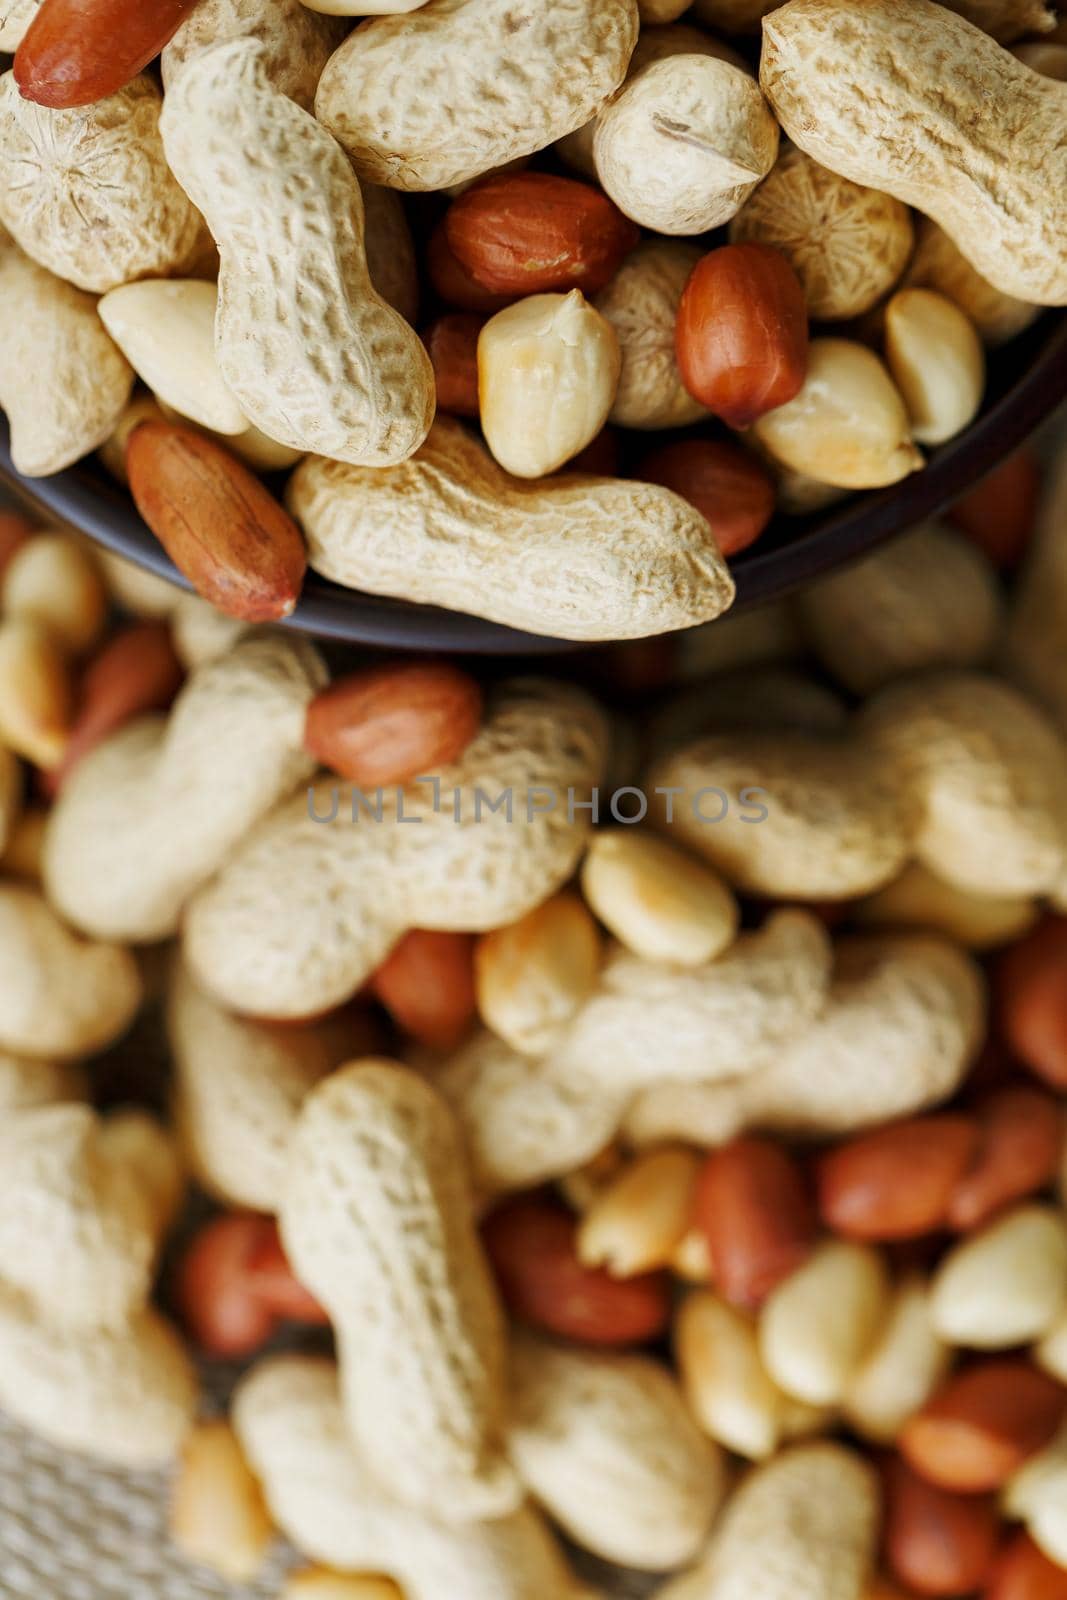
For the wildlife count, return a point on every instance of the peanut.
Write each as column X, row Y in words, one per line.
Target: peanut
column 388, row 725
column 999, row 513
column 1035, row 1496
column 1006, row 1284
column 298, row 43
column 532, row 976
column 819, row 1325
column 166, row 330
column 752, row 1206
column 1021, row 1143
column 640, row 1217
column 452, row 343
column 137, row 671
column 901, row 1369
column 897, row 1182
column 36, row 693
column 660, row 904
column 235, row 1285
column 939, row 264
column 548, row 369
column 217, row 1515
column 641, row 303
column 936, row 358
column 725, row 484
column 70, row 58
column 979, row 1429
column 1030, row 1000
column 1025, row 1573
column 937, row 1543
column 600, row 558
column 426, row 984
column 726, row 1383
column 53, row 581
column 318, row 1583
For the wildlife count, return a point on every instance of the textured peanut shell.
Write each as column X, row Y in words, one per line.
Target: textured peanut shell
column 901, row 1028
column 298, row 41
column 63, row 382
column 314, row 355
column 125, row 1395
column 607, row 1445
column 847, row 244
column 938, row 264
column 25, row 1083
column 986, row 774
column 238, row 1087
column 377, row 1221
column 641, row 303
column 325, row 1497
column 576, row 557
column 683, row 146
column 445, row 93
column 155, row 810
column 838, row 823
column 307, row 909
column 15, row 18
column 1032, row 652
column 61, row 996
column 88, row 192
column 525, row 1121
column 391, row 260
column 77, row 1228
column 802, row 1527
column 929, row 599
column 984, row 154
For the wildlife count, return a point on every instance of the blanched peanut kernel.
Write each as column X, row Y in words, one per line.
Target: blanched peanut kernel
column 35, row 693
column 819, row 1326
column 657, row 901
column 728, row 1388
column 532, row 976
column 53, row 580
column 317, row 1583
column 936, row 358
column 902, row 1370
column 218, row 1517
column 548, row 369
column 166, row 330
column 848, row 426
column 1005, row 1285
column 640, row 1218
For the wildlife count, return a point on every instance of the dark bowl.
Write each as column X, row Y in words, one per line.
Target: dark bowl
column 1027, row 380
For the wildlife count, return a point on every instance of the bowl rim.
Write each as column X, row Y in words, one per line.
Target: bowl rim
column 85, row 497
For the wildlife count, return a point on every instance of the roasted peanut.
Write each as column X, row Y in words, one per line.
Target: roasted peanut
column 655, row 900
column 217, row 1515
column 639, row 1218
column 752, row 1206
column 532, row 976
column 386, row 725
column 936, row 359
column 426, row 983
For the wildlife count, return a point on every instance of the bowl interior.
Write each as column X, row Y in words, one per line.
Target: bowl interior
column 1027, row 379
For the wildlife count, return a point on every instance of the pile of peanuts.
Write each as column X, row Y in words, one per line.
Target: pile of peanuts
column 684, row 1194
column 678, row 272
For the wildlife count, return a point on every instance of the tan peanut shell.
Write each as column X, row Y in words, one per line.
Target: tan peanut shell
column 238, row 1087
column 377, row 1221
column 983, row 155
column 306, row 909
column 902, row 1025
column 335, row 371
column 328, row 1500
column 298, row 41
column 606, row 1444
column 682, row 147
column 801, row 1527
column 928, row 599
column 986, row 775
column 641, row 303
column 15, row 18
column 88, row 192
column 407, row 96
column 25, row 1083
column 837, row 821
column 154, row 811
column 62, row 996
column 576, row 557
column 525, row 1121
column 78, row 1231
column 63, row 382
column 938, row 264
column 901, row 1369
column 124, row 1395
column 847, row 244
column 391, row 260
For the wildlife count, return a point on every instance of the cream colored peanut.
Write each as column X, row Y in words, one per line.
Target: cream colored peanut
column 848, row 245
column 848, row 115
column 217, row 1515
column 919, row 899
column 148, row 1151
column 928, row 599
column 1006, row 1284
column 936, row 358
column 166, row 330
column 36, row 693
column 123, row 578
column 364, row 395
column 548, row 369
column 656, row 900
column 533, row 975
column 63, row 383
column 331, row 1503
column 14, row 20
column 819, row 1326
column 938, row 264
column 728, row 1388
column 406, row 96
column 1050, row 1352
column 986, row 775
column 88, row 193
column 640, row 1217
column 298, row 43
column 605, row 1443
column 801, row 1527
column 902, row 1369
column 53, row 581
column 1037, row 1495
column 848, row 426
column 685, row 143
column 641, row 303
column 319, row 1583
column 601, row 558
column 399, row 1267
